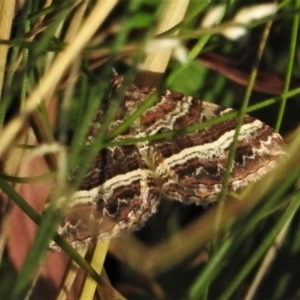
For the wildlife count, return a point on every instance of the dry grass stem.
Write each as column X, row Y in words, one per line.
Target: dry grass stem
column 60, row 65
column 7, row 12
column 154, row 65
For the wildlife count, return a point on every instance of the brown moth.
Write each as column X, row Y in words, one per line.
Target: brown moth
column 124, row 184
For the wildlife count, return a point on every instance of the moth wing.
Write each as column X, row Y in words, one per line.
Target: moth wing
column 117, row 194
column 192, row 165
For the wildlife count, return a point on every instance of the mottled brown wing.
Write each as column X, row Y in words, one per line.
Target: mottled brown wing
column 117, row 194
column 192, row 165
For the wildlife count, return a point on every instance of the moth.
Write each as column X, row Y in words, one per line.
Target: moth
column 124, row 184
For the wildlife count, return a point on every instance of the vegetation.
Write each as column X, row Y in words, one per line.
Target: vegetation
column 58, row 59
